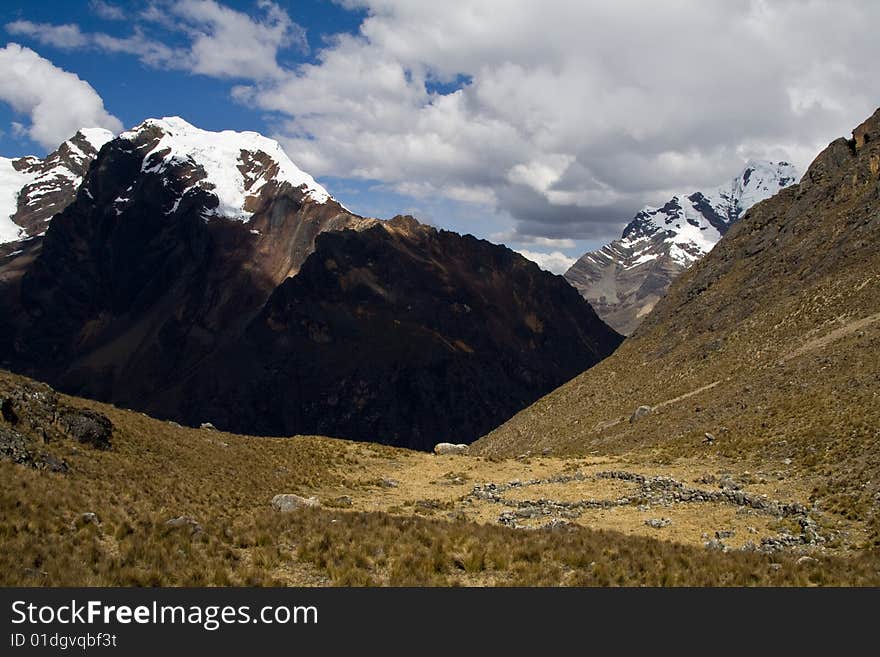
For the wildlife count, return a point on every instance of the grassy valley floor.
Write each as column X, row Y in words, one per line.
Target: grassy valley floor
column 393, row 517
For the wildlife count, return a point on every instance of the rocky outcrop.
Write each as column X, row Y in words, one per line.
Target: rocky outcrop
column 32, row 419
column 86, row 426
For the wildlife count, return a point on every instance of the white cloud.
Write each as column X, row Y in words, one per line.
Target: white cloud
column 60, row 36
column 577, row 113
column 223, row 42
column 531, row 240
column 231, row 44
column 106, row 10
column 542, row 173
column 556, row 262
column 57, row 102
column 574, row 114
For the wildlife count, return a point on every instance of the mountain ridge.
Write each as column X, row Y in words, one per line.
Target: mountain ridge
column 32, row 189
column 764, row 351
column 625, row 278
column 170, row 284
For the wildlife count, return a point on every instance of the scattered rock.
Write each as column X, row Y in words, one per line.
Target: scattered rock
column 87, row 426
column 52, row 463
column 289, row 502
column 559, row 524
column 709, row 438
column 444, row 449
column 805, row 561
column 389, row 483
column 640, row 412
column 658, row 523
column 89, row 518
column 18, row 448
column 207, row 426
column 184, row 522
column 715, row 544
column 725, row 533
column 343, row 502
column 729, row 484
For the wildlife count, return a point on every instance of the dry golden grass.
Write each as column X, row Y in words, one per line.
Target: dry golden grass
column 157, row 471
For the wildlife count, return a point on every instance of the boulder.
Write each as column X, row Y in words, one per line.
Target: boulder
column 87, row 518
column 184, row 522
column 289, row 502
column 640, row 412
column 443, row 449
column 87, row 427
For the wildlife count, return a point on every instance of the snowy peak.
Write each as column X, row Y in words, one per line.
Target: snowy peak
column 236, row 167
column 32, row 190
column 758, row 181
column 624, row 279
column 693, row 223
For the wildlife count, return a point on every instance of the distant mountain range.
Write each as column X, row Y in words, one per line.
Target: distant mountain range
column 624, row 279
column 203, row 277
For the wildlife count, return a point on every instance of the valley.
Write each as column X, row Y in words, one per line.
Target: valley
column 171, row 505
column 214, row 344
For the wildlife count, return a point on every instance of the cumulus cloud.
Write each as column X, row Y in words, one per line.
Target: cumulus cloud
column 57, row 102
column 556, row 262
column 227, row 43
column 575, row 114
column 565, row 115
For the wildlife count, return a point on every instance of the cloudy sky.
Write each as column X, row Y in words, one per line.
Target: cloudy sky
column 544, row 125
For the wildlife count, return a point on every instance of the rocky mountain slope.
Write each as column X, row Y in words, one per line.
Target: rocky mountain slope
column 624, row 279
column 203, row 277
column 765, row 351
column 32, row 190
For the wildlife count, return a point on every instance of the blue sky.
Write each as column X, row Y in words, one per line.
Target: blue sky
column 133, row 91
column 545, row 126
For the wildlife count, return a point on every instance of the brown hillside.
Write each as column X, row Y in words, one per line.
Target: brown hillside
column 771, row 344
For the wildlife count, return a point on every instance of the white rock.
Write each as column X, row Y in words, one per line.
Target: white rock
column 289, row 502
column 450, row 448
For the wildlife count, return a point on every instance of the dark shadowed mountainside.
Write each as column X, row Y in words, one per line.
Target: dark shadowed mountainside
column 186, row 280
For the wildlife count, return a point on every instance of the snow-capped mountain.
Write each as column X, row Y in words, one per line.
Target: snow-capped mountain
column 32, row 190
column 201, row 276
column 624, row 279
column 235, row 167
